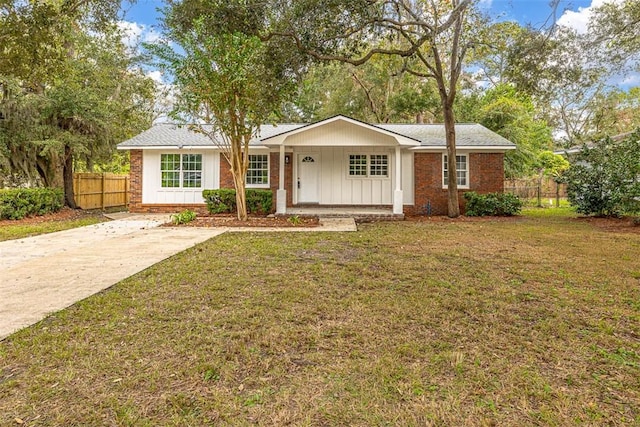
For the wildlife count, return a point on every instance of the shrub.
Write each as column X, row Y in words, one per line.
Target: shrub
column 492, row 204
column 224, row 200
column 20, row 202
column 183, row 217
column 604, row 179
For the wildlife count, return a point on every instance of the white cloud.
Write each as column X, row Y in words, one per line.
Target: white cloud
column 133, row 33
column 579, row 20
column 156, row 76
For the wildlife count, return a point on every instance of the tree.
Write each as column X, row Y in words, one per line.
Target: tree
column 432, row 36
column 373, row 92
column 230, row 80
column 60, row 101
column 553, row 166
column 615, row 27
column 604, row 179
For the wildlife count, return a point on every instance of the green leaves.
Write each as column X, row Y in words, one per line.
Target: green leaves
column 604, row 179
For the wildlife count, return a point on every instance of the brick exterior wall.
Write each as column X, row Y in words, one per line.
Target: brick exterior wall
column 274, row 176
column 135, row 183
column 486, row 174
column 226, row 179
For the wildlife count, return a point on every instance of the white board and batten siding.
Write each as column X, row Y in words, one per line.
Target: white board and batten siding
column 332, row 145
column 336, row 187
column 154, row 193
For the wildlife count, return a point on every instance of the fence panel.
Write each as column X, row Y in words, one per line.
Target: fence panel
column 528, row 188
column 101, row 190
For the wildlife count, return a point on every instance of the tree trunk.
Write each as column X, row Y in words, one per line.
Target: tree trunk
column 69, row 197
column 450, row 130
column 241, row 198
column 239, row 172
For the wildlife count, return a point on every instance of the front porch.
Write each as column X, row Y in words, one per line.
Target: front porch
column 357, row 212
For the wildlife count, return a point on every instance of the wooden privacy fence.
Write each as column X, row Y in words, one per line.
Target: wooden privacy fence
column 101, row 190
column 528, row 188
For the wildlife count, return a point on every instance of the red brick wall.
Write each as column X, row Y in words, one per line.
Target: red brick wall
column 486, row 174
column 274, row 176
column 135, row 174
column 226, row 179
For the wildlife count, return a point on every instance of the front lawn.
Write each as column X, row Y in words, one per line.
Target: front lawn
column 520, row 321
column 58, row 221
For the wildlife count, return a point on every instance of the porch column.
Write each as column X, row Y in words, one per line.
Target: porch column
column 397, row 194
column 281, row 194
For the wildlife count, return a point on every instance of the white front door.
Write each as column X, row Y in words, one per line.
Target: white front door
column 308, row 178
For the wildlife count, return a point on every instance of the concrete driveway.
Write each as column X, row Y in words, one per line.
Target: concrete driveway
column 43, row 274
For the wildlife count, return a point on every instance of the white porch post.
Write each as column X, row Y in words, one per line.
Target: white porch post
column 397, row 194
column 281, row 194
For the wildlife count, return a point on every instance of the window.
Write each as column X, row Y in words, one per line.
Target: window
column 369, row 165
column 181, row 170
column 357, row 165
column 461, row 171
column 379, row 165
column 258, row 171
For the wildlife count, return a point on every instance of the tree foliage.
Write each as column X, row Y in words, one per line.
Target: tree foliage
column 376, row 92
column 230, row 79
column 69, row 90
column 604, row 179
column 432, row 37
column 512, row 115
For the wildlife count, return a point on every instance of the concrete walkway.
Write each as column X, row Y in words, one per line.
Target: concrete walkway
column 43, row 274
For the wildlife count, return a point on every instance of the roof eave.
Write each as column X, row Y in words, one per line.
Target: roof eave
column 492, row 148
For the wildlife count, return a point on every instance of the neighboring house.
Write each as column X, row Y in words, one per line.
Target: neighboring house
column 575, row 149
column 335, row 162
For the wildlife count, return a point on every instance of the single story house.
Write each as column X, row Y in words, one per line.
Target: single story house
column 334, row 162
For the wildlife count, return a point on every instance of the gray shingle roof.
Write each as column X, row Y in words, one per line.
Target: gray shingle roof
column 429, row 135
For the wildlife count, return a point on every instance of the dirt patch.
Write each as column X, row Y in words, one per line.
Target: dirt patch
column 65, row 214
column 253, row 221
column 623, row 225
column 462, row 218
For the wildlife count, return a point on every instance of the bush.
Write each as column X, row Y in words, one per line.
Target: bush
column 21, row 202
column 183, row 217
column 492, row 204
column 224, row 200
column 604, row 179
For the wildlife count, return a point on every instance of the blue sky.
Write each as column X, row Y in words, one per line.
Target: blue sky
column 141, row 20
column 534, row 12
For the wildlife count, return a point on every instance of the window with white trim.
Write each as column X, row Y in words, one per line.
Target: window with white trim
column 369, row 165
column 379, row 165
column 462, row 170
column 258, row 171
column 357, row 165
column 181, row 170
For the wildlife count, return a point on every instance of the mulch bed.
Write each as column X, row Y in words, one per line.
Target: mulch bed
column 65, row 214
column 222, row 220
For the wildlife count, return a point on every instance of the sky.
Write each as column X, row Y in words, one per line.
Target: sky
column 145, row 13
column 141, row 19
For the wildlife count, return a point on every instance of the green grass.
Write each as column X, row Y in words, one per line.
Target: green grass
column 21, row 230
column 524, row 321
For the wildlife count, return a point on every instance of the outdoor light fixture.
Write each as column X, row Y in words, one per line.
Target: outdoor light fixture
column 287, row 159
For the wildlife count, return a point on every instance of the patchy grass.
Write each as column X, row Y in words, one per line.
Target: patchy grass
column 19, row 229
column 531, row 321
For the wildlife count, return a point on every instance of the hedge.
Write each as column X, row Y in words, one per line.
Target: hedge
column 18, row 203
column 224, row 200
column 492, row 204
